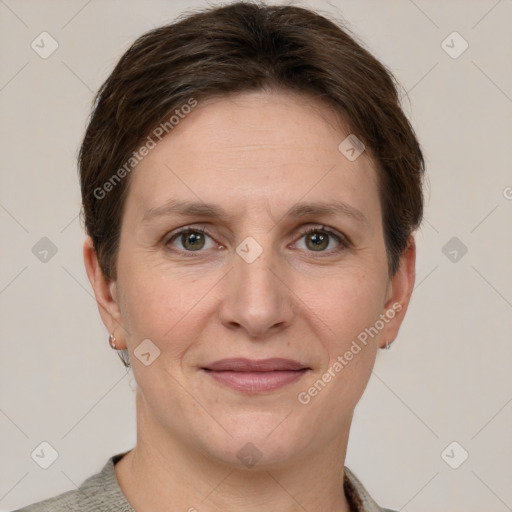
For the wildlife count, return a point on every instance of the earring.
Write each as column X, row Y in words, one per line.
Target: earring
column 122, row 353
column 125, row 358
column 387, row 345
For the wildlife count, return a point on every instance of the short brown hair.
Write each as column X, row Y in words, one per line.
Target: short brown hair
column 245, row 47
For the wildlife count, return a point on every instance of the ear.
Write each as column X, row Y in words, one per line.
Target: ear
column 106, row 294
column 399, row 294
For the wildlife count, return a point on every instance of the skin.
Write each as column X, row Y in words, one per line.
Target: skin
column 256, row 155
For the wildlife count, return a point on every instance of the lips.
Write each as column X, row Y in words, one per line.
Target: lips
column 250, row 365
column 255, row 376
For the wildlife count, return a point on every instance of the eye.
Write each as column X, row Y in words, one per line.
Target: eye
column 191, row 239
column 318, row 239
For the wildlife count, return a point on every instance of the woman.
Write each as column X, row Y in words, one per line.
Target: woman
column 250, row 190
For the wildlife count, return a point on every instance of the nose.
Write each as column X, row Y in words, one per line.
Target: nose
column 256, row 297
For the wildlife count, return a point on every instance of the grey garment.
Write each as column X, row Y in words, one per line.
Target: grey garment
column 358, row 497
column 101, row 493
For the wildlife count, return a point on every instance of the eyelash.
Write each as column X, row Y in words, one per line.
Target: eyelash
column 344, row 242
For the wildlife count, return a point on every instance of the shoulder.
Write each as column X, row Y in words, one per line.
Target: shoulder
column 359, row 498
column 99, row 492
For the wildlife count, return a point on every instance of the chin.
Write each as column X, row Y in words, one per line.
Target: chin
column 256, row 440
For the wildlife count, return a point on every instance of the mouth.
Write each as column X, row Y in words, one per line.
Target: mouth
column 255, row 376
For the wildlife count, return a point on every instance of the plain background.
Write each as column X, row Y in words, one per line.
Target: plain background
column 448, row 375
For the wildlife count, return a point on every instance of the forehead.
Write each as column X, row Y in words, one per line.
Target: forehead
column 255, row 148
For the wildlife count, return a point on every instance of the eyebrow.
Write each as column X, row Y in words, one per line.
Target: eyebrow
column 302, row 209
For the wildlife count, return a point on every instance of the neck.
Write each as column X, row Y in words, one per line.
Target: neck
column 161, row 474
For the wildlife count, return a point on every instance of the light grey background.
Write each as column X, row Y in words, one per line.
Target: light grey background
column 446, row 378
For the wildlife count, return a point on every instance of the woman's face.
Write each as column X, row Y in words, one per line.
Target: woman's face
column 253, row 285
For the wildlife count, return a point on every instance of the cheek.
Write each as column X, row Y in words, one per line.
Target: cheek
column 351, row 307
column 351, row 301
column 154, row 304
